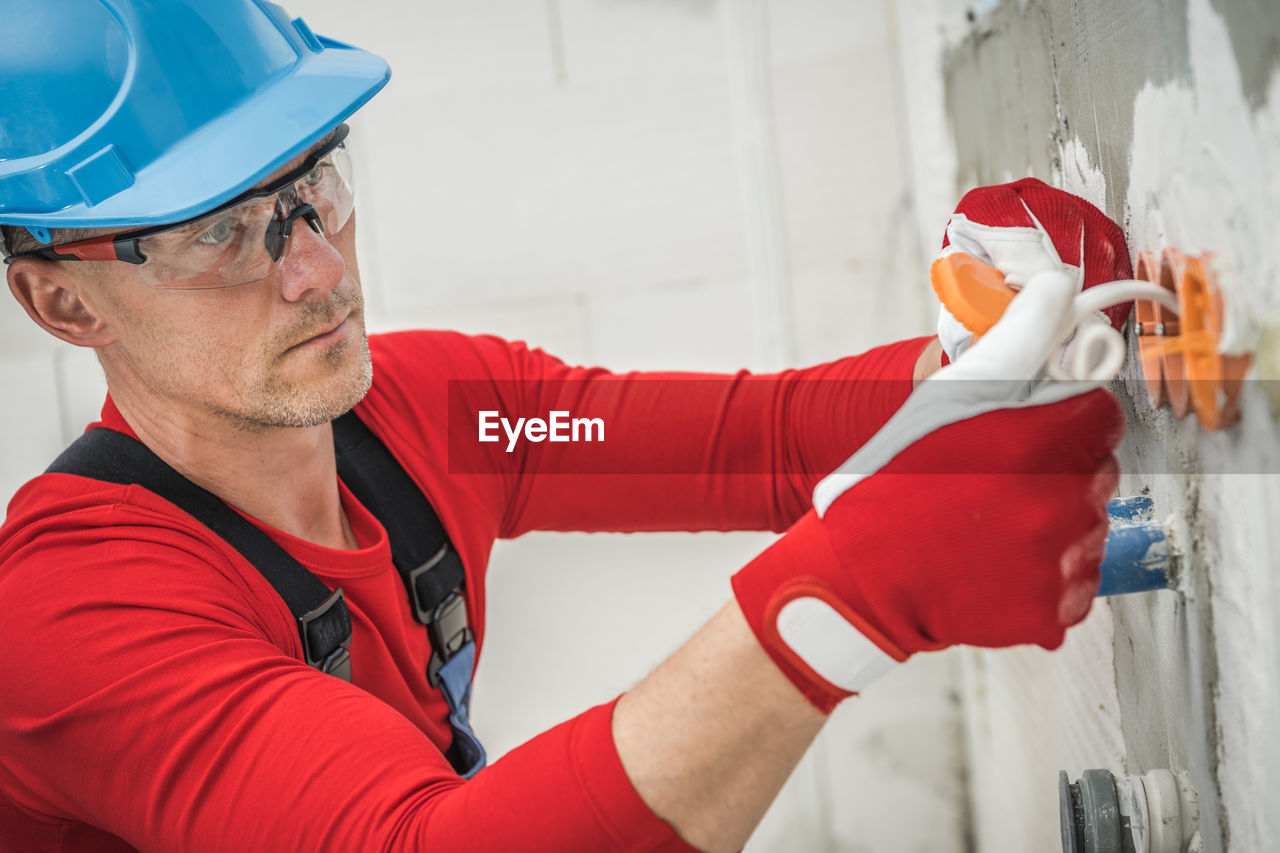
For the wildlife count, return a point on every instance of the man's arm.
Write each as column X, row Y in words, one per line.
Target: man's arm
column 929, row 362
column 155, row 705
column 711, row 735
column 680, row 451
column 159, row 701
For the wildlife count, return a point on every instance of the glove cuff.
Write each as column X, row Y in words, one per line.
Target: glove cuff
column 824, row 648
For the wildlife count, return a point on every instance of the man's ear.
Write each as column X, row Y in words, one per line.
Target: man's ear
column 54, row 299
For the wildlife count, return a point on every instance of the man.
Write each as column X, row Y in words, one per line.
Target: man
column 195, row 227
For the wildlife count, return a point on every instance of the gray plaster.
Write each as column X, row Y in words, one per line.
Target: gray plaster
column 1053, row 70
column 1000, row 96
column 1030, row 76
column 1254, row 26
column 1164, row 653
column 1026, row 79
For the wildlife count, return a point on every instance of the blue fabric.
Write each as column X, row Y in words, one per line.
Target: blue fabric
column 455, row 683
column 132, row 112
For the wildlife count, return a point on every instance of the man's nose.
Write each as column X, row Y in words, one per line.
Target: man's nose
column 309, row 263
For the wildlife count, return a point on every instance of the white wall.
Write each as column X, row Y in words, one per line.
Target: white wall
column 696, row 185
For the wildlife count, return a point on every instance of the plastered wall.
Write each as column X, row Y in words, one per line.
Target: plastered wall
column 1166, row 115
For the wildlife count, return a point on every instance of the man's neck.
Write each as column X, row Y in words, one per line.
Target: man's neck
column 283, row 477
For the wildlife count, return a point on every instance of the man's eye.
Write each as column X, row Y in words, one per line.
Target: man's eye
column 219, row 232
column 315, row 176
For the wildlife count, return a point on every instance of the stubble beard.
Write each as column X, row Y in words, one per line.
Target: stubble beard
column 275, row 401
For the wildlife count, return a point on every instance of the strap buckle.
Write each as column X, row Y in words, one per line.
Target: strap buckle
column 424, row 612
column 449, row 632
column 320, row 629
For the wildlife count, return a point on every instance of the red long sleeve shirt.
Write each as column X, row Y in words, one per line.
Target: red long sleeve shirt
column 152, row 694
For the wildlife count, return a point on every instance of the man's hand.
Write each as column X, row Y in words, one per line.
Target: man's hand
column 1028, row 227
column 998, row 544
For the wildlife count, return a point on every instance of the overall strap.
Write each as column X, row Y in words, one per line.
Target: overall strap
column 428, row 564
column 324, row 624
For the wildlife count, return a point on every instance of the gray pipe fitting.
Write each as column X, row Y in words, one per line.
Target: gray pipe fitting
column 1156, row 812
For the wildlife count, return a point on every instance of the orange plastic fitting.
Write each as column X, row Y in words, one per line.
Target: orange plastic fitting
column 974, row 292
column 1181, row 361
column 1163, row 370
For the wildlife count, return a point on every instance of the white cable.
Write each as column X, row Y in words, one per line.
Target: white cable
column 1114, row 292
column 1097, row 353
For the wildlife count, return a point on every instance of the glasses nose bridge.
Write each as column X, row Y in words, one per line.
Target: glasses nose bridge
column 287, row 201
column 310, row 263
column 289, row 207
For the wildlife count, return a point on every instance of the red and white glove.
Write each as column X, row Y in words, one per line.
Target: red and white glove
column 977, row 515
column 1027, row 227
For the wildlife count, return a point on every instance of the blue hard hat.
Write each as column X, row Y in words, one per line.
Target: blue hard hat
column 134, row 112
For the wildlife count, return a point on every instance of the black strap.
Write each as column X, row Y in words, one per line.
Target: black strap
column 428, row 564
column 431, row 569
column 324, row 624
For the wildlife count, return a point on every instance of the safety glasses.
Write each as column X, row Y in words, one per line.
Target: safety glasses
column 239, row 242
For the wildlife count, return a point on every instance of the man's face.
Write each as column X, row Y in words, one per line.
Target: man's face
column 287, row 351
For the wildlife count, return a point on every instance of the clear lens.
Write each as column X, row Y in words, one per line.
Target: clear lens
column 329, row 188
column 228, row 247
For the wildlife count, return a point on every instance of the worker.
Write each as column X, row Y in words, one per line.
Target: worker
column 176, row 194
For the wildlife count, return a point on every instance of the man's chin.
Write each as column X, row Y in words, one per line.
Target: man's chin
column 303, row 402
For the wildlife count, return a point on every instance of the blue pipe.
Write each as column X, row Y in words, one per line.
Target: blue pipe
column 1138, row 555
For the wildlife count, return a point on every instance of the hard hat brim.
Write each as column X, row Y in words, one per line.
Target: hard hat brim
column 240, row 148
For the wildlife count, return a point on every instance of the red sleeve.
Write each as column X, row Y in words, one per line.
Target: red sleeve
column 145, row 694
column 681, row 451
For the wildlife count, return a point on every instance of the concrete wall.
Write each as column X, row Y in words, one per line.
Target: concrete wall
column 1167, row 115
column 680, row 184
